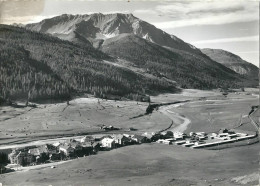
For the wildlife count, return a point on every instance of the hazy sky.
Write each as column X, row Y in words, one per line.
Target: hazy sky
column 231, row 25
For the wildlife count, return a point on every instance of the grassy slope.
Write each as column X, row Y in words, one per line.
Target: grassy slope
column 147, row 164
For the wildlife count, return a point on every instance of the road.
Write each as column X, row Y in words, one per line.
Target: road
column 180, row 123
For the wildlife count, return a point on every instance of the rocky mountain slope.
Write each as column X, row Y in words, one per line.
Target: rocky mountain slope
column 98, row 27
column 232, row 61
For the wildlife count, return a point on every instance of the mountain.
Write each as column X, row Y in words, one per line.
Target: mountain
column 232, row 61
column 98, row 27
column 43, row 66
column 189, row 70
column 166, row 52
column 114, row 54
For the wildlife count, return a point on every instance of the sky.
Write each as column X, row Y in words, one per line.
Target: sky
column 232, row 25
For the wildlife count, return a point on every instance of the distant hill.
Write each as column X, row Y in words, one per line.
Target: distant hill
column 233, row 62
column 48, row 67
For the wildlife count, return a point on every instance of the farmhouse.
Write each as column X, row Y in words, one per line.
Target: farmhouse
column 87, row 139
column 22, row 158
column 66, row 149
column 48, row 149
column 139, row 138
column 121, row 140
column 76, row 145
column 107, row 142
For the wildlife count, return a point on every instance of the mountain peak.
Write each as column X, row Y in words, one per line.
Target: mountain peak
column 98, row 26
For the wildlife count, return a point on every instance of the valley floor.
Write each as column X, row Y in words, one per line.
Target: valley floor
column 146, row 164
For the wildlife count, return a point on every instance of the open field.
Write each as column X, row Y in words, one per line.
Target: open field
column 207, row 111
column 146, row 164
column 82, row 116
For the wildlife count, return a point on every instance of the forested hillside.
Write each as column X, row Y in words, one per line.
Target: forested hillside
column 187, row 69
column 21, row 76
column 44, row 66
column 233, row 62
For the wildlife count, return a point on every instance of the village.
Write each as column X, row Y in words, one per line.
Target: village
column 89, row 145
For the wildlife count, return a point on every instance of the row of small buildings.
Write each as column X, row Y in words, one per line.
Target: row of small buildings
column 204, row 140
column 52, row 152
column 77, row 148
column 89, row 145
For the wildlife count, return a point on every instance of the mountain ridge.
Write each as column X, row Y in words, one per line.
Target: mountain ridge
column 232, row 61
column 170, row 63
column 103, row 26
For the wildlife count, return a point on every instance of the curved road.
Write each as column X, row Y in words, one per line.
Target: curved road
column 180, row 123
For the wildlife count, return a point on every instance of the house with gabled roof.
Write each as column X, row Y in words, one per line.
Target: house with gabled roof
column 76, row 146
column 107, row 142
column 66, row 149
column 139, row 138
column 87, row 139
column 121, row 139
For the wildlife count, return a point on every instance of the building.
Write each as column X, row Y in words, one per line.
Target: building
column 164, row 141
column 178, row 135
column 149, row 136
column 121, row 140
column 139, row 138
column 57, row 144
column 13, row 156
column 23, row 158
column 107, row 142
column 96, row 146
column 76, row 146
column 48, row 149
column 34, row 152
column 87, row 139
column 66, row 149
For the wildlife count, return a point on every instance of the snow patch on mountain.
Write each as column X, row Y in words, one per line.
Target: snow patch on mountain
column 104, row 26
